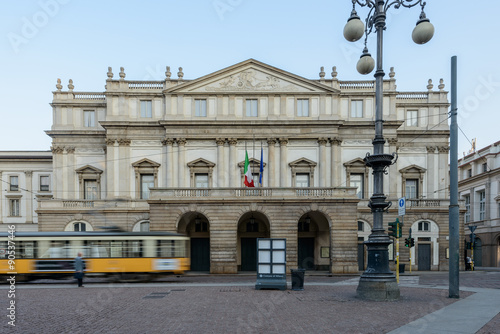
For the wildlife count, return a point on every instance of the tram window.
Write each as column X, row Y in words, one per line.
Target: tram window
column 3, row 250
column 26, row 249
column 56, row 249
column 171, row 248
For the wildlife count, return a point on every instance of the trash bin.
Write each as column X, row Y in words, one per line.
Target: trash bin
column 401, row 268
column 298, row 279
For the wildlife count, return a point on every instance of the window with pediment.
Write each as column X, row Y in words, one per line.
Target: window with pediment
column 357, row 176
column 413, row 181
column 89, row 182
column 302, row 172
column 201, row 173
column 146, row 177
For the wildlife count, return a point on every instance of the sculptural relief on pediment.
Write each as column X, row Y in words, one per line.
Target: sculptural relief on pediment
column 251, row 80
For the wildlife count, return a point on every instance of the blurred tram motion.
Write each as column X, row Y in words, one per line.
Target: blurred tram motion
column 122, row 255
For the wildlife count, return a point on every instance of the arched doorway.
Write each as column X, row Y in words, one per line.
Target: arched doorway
column 313, row 242
column 251, row 226
column 196, row 226
column 425, row 254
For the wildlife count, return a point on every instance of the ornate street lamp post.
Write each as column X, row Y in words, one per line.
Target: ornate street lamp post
column 378, row 282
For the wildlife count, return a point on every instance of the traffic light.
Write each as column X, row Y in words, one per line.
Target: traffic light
column 393, row 229
column 407, row 242
column 412, row 242
column 400, row 228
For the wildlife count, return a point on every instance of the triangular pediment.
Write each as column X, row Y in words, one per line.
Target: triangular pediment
column 252, row 162
column 88, row 169
column 251, row 76
column 200, row 162
column 302, row 162
column 358, row 162
column 145, row 163
column 412, row 169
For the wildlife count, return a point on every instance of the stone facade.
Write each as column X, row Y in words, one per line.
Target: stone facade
column 479, row 187
column 169, row 155
column 26, row 176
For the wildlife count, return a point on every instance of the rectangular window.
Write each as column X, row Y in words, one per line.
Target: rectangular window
column 412, row 118
column 14, row 183
column 302, row 180
column 147, row 181
column 485, row 167
column 89, row 118
column 357, row 108
column 44, row 183
column 201, row 180
column 302, row 107
column 469, row 172
column 467, row 208
column 482, row 205
column 200, row 108
column 411, row 188
column 356, row 180
column 90, row 191
column 252, row 108
column 14, row 207
column 146, row 109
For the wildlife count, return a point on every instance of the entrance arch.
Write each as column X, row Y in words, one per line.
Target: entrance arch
column 252, row 225
column 196, row 226
column 313, row 242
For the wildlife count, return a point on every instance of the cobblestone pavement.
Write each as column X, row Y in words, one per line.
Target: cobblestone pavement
column 226, row 304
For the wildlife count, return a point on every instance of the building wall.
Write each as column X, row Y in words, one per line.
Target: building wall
column 173, row 144
column 18, row 203
column 479, row 172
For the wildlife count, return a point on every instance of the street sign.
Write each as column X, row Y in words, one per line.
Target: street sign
column 402, row 206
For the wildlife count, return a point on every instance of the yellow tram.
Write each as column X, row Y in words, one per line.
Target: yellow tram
column 124, row 255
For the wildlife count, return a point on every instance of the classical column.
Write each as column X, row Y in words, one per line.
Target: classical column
column 392, row 183
column 322, row 162
column 432, row 182
column 124, row 190
column 283, row 162
column 57, row 180
column 443, row 171
column 336, row 164
column 271, row 162
column 110, row 168
column 220, row 161
column 29, row 196
column 65, row 172
column 168, row 161
column 181, row 142
column 69, row 177
column 233, row 180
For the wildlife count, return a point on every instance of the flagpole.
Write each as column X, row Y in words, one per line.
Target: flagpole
column 253, row 157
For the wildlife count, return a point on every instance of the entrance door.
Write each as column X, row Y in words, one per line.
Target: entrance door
column 361, row 257
column 306, row 253
column 248, row 254
column 424, row 257
column 478, row 253
column 200, row 254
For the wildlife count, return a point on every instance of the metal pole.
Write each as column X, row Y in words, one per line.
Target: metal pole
column 454, row 209
column 378, row 282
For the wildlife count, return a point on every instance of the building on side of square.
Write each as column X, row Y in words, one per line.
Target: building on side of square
column 170, row 155
column 479, row 187
column 26, row 177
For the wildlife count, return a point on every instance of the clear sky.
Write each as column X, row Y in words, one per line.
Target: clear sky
column 42, row 40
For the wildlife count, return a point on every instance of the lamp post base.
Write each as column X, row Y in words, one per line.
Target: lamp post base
column 378, row 290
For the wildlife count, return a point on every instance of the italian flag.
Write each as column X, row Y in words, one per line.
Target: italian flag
column 248, row 172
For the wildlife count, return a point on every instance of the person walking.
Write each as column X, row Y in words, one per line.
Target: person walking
column 79, row 269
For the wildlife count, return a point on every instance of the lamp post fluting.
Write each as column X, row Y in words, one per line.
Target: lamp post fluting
column 378, row 282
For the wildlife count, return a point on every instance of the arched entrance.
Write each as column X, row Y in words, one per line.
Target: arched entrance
column 425, row 254
column 196, row 226
column 478, row 253
column 251, row 226
column 313, row 242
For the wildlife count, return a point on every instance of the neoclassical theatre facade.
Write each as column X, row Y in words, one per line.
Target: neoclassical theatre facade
column 170, row 156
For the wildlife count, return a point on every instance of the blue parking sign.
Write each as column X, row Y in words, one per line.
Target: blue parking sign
column 402, row 206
